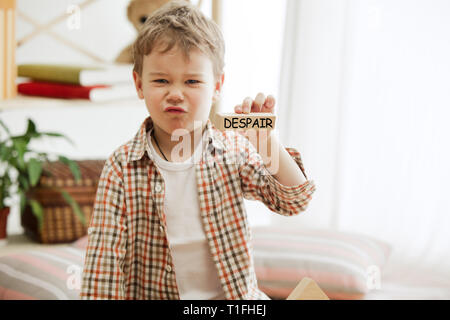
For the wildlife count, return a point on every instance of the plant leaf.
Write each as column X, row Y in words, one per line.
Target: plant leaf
column 20, row 146
column 38, row 212
column 23, row 182
column 34, row 171
column 22, row 201
column 74, row 205
column 58, row 135
column 73, row 166
column 5, row 152
column 5, row 127
column 31, row 129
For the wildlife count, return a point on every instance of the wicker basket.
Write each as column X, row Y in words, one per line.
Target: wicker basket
column 60, row 224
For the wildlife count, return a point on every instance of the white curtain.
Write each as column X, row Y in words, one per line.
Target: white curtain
column 365, row 97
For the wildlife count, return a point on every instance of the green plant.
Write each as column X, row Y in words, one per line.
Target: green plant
column 22, row 167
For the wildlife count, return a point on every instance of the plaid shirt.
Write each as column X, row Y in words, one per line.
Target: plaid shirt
column 128, row 254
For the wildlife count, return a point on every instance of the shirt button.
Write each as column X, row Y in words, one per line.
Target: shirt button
column 158, row 188
column 161, row 228
column 169, row 268
column 90, row 230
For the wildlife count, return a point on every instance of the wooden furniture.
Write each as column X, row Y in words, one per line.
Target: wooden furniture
column 60, row 224
column 8, row 68
column 307, row 289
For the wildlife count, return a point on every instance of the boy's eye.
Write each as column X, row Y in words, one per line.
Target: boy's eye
column 191, row 81
column 160, row 81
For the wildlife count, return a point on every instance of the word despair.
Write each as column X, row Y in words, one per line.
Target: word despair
column 244, row 121
column 247, row 123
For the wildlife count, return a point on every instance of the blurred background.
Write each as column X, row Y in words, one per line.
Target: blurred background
column 362, row 89
column 254, row 39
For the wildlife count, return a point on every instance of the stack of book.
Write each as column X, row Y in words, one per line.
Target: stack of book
column 99, row 83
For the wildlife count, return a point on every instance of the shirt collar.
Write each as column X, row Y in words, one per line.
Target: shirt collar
column 137, row 149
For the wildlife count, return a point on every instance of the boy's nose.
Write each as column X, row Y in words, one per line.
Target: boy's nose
column 175, row 95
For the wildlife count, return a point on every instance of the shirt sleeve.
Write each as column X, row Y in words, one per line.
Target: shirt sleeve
column 103, row 274
column 258, row 184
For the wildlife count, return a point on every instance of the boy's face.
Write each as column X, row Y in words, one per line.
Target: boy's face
column 170, row 81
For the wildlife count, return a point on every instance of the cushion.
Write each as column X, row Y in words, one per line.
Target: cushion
column 42, row 274
column 81, row 243
column 343, row 264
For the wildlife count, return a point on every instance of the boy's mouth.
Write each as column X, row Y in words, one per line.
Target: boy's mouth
column 174, row 110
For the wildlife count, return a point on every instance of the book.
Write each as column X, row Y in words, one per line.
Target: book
column 77, row 74
column 95, row 93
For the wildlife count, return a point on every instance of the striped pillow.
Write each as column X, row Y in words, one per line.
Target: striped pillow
column 343, row 264
column 81, row 243
column 42, row 274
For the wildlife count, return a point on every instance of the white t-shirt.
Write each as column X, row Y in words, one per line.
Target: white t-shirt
column 196, row 274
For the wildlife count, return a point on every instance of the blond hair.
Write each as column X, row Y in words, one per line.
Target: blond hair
column 180, row 24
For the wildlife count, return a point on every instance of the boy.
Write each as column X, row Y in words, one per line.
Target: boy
column 171, row 226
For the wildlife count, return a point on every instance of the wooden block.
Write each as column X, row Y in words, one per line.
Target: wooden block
column 307, row 289
column 239, row 121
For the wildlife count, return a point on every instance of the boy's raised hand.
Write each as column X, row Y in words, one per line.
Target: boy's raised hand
column 260, row 104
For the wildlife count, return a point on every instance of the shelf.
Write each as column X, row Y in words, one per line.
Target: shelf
column 22, row 102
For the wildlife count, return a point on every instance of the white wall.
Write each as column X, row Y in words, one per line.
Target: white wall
column 103, row 30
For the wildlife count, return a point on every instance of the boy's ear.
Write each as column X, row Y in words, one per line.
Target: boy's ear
column 218, row 88
column 138, row 84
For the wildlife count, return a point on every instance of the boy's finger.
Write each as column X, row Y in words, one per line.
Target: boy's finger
column 238, row 109
column 246, row 105
column 269, row 104
column 258, row 103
